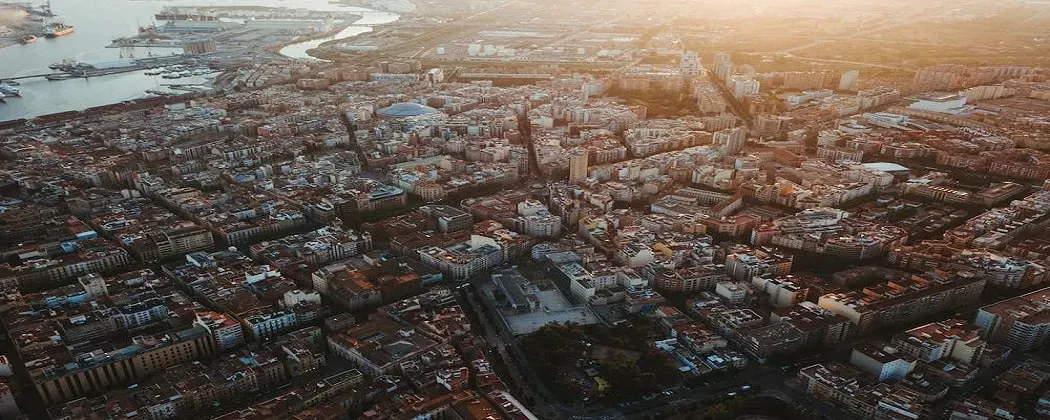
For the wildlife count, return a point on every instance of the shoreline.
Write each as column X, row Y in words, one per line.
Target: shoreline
column 382, row 7
column 326, row 51
column 328, row 46
column 345, row 23
column 24, row 21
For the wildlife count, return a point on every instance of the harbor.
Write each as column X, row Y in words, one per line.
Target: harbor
column 31, row 23
column 169, row 67
column 145, row 26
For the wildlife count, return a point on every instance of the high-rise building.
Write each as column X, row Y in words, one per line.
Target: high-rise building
column 940, row 77
column 731, row 140
column 848, row 81
column 690, row 64
column 743, row 86
column 723, row 65
column 577, row 166
column 519, row 157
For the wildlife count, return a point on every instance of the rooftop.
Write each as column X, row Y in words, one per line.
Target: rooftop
column 405, row 109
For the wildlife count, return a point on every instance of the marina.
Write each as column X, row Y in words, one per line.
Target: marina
column 98, row 23
column 182, row 65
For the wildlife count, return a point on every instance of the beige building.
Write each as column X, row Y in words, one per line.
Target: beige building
column 577, row 167
column 99, row 371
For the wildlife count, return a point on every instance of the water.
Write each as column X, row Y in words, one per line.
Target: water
column 97, row 23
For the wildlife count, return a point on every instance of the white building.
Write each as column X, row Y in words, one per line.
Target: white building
column 690, row 64
column 943, row 103
column 731, row 141
column 881, row 363
column 143, row 312
column 226, row 331
column 465, row 260
column 543, row 225
column 783, row 291
column 723, row 65
column 734, row 293
column 744, row 86
column 295, row 297
column 849, row 79
column 635, row 255
column 885, row 119
column 531, row 207
column 94, row 286
column 267, row 325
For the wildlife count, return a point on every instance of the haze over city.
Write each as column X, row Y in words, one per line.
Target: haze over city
column 509, row 209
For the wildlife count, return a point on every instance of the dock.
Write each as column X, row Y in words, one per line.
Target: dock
column 80, row 70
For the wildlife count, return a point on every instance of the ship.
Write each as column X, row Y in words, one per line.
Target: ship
column 171, row 14
column 8, row 90
column 58, row 29
column 29, row 39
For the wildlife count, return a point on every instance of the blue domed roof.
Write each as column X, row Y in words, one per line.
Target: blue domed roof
column 405, row 109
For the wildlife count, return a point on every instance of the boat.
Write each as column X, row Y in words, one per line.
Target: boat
column 57, row 30
column 171, row 75
column 9, row 90
column 172, row 14
column 153, row 72
column 29, row 39
column 62, row 76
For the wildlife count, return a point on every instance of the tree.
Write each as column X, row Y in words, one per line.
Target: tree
column 718, row 412
column 660, row 365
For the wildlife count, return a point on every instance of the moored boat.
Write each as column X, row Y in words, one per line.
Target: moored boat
column 58, row 29
column 8, row 90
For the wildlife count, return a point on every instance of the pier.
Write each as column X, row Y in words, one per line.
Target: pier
column 80, row 70
column 33, row 76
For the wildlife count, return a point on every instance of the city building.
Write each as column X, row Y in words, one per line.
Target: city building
column 743, row 265
column 1023, row 322
column 730, row 140
column 690, row 64
column 577, row 167
column 904, row 298
column 884, row 364
column 849, row 80
column 464, row 260
column 949, row 339
column 57, row 380
column 845, row 387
